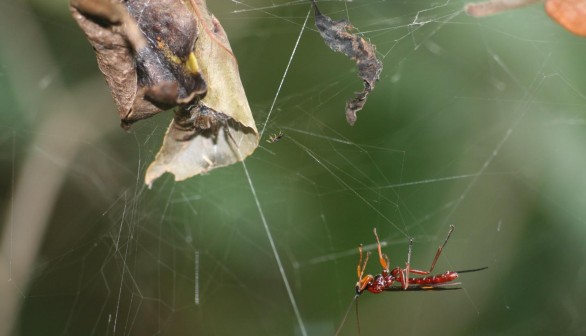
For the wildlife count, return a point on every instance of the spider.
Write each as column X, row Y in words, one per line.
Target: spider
column 275, row 137
column 384, row 281
column 198, row 119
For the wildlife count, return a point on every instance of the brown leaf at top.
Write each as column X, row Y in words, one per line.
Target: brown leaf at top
column 160, row 54
column 217, row 130
column 491, row 7
column 337, row 35
column 570, row 14
column 144, row 49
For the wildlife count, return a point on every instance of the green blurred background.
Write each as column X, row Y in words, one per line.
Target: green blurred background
column 475, row 122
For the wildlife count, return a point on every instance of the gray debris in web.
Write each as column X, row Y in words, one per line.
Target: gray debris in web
column 337, row 35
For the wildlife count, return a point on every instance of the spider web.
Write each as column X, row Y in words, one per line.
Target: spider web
column 477, row 123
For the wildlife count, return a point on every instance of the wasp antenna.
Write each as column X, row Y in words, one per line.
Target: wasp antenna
column 473, row 270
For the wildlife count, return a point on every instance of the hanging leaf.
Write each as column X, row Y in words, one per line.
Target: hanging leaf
column 337, row 35
column 145, row 51
column 219, row 130
column 157, row 55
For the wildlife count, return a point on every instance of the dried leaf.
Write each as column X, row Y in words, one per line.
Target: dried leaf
column 570, row 14
column 219, row 130
column 161, row 54
column 491, row 7
column 337, row 35
column 144, row 49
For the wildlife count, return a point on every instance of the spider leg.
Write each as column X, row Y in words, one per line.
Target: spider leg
column 228, row 134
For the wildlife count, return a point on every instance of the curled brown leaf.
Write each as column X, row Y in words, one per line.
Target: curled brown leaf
column 157, row 55
column 144, row 50
column 338, row 36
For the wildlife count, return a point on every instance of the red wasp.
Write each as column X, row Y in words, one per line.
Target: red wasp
column 384, row 281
